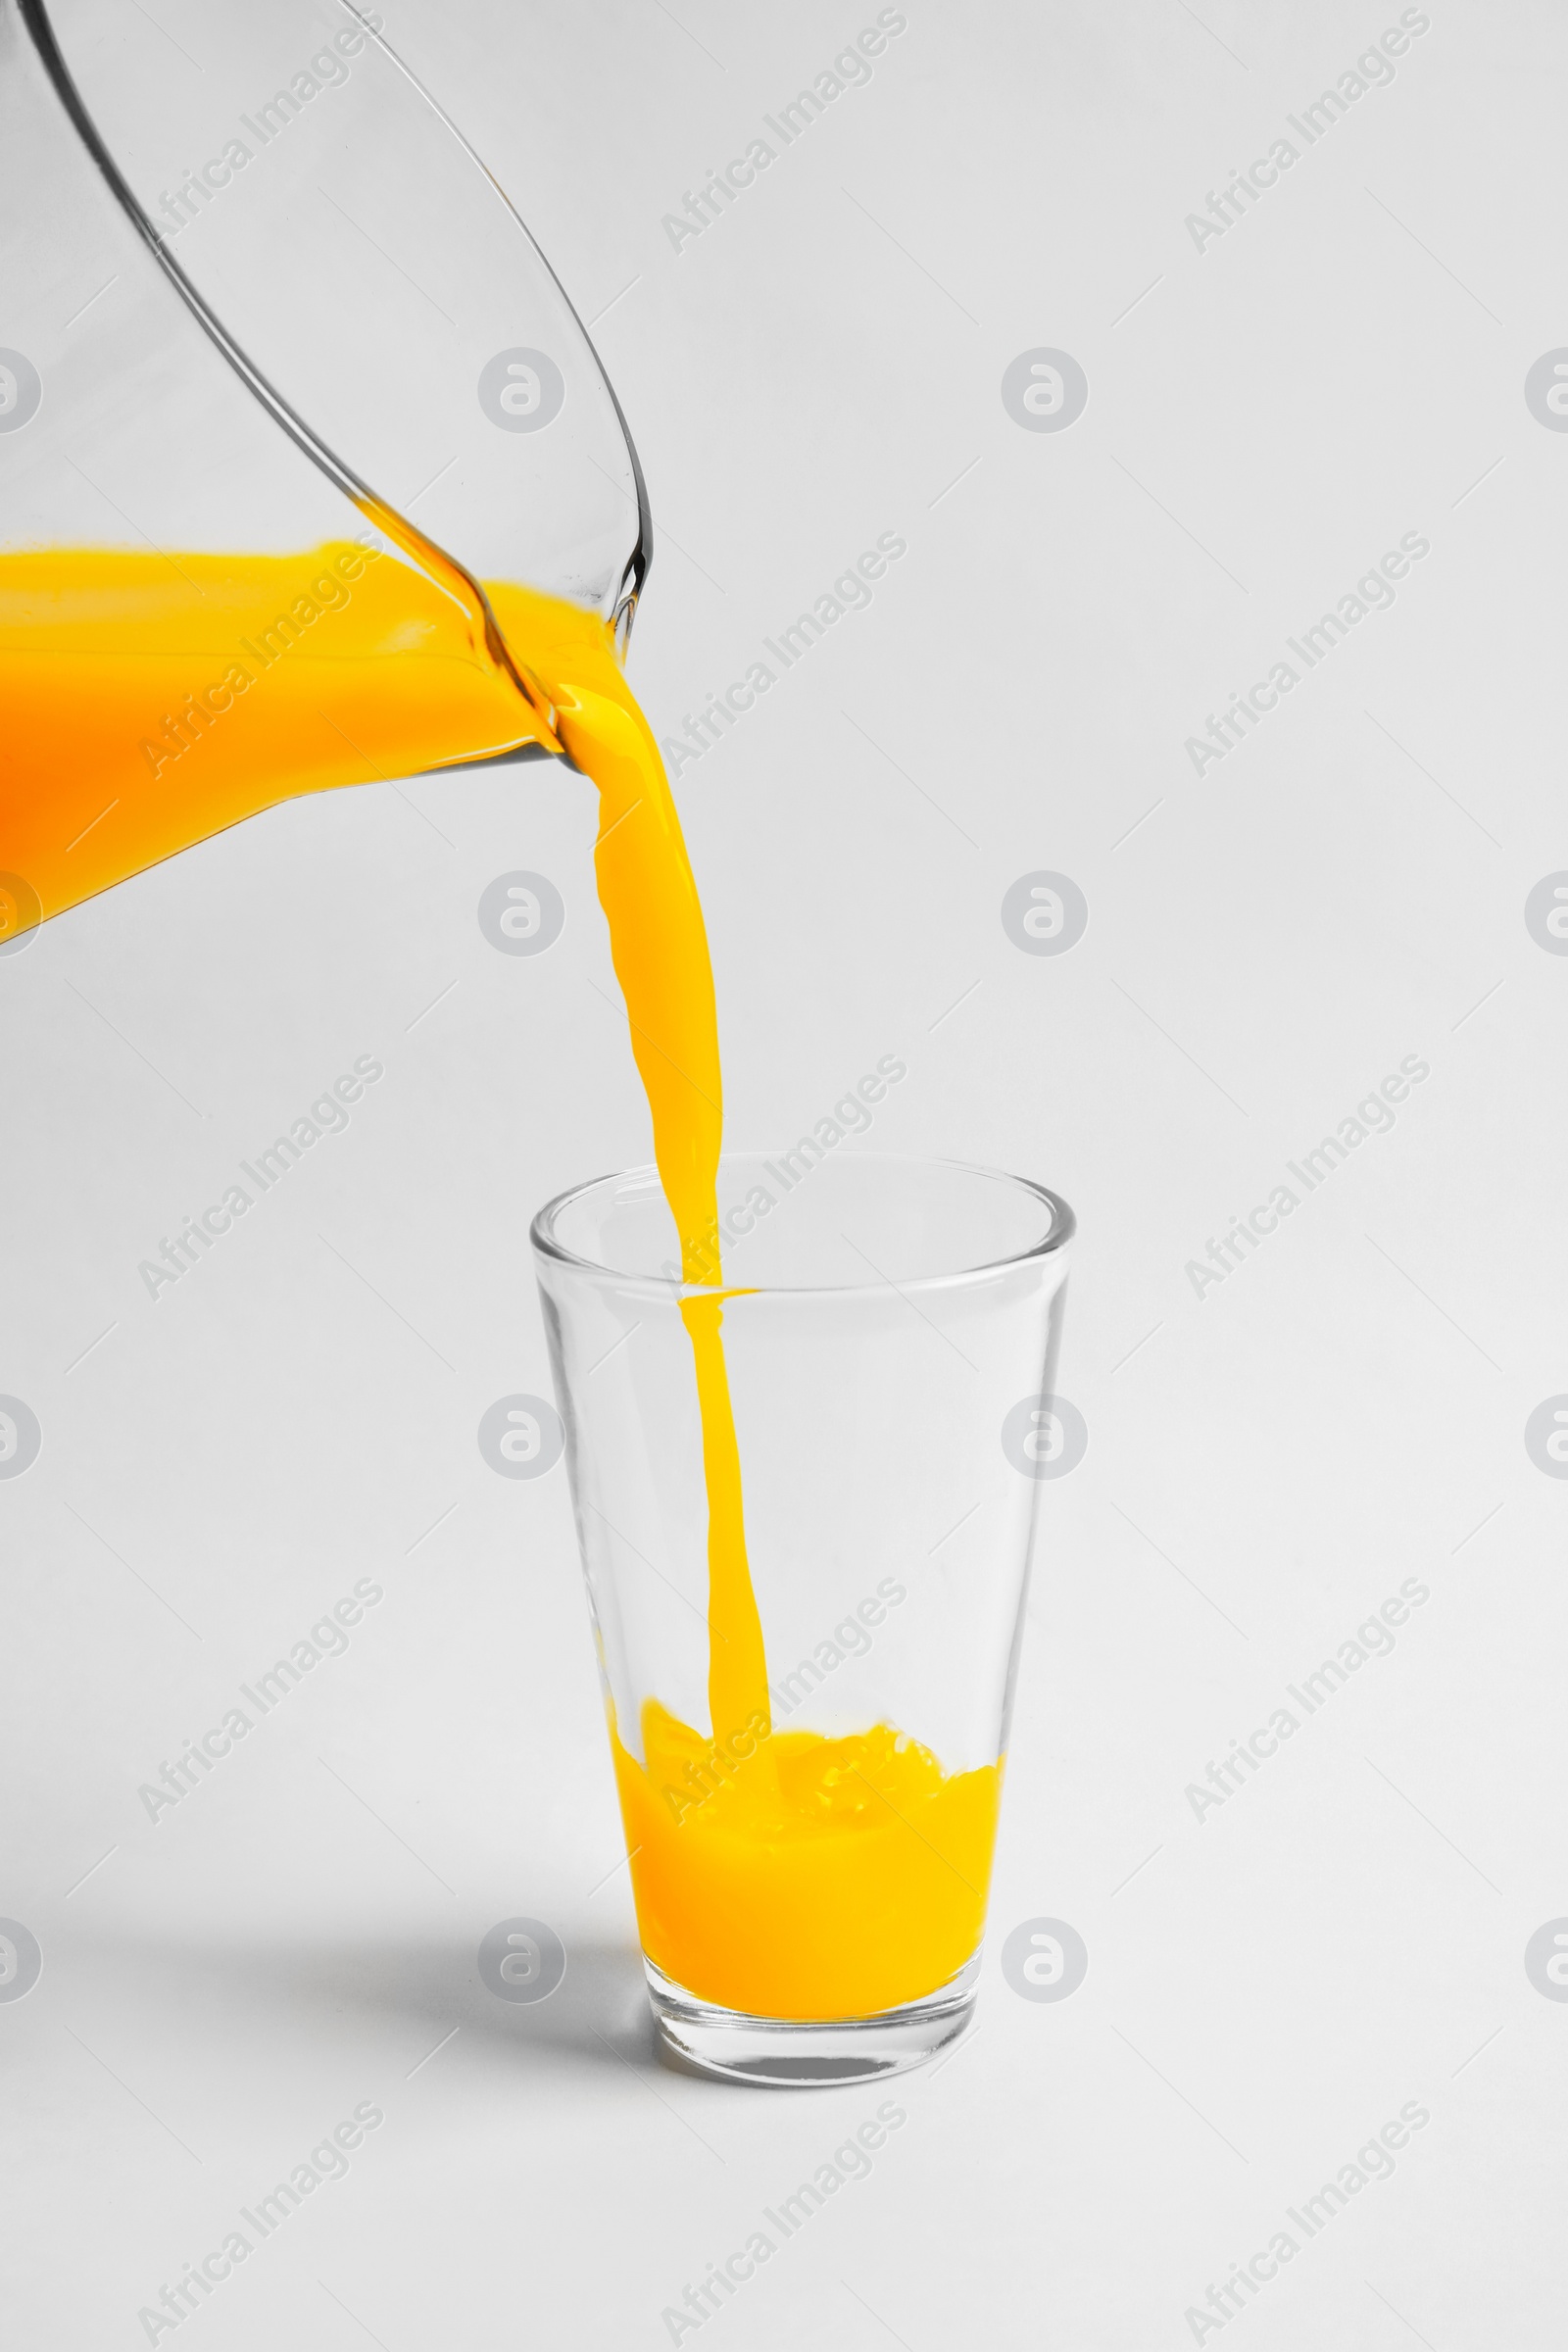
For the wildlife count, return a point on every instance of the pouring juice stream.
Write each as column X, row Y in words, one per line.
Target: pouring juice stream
column 150, row 701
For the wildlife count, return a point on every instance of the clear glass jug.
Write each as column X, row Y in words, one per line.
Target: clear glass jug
column 302, row 445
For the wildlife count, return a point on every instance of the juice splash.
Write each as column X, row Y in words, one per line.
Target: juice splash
column 150, row 700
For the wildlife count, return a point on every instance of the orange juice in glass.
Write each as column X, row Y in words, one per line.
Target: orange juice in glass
column 809, row 1673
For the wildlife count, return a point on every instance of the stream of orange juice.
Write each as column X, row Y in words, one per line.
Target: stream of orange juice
column 152, row 699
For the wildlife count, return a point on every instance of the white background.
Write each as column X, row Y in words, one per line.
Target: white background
column 1266, row 1464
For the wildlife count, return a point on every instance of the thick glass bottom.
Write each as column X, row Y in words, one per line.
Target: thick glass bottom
column 698, row 2036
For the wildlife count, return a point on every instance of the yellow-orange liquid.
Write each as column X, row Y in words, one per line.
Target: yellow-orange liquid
column 148, row 701
column 801, row 1877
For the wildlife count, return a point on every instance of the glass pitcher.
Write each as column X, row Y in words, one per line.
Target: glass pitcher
column 302, row 442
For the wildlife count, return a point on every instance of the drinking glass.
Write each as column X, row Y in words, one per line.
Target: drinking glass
column 811, row 1891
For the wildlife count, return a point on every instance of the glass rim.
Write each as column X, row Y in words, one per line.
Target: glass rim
column 1063, row 1227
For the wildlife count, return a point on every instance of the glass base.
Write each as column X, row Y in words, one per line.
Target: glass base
column 727, row 2045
